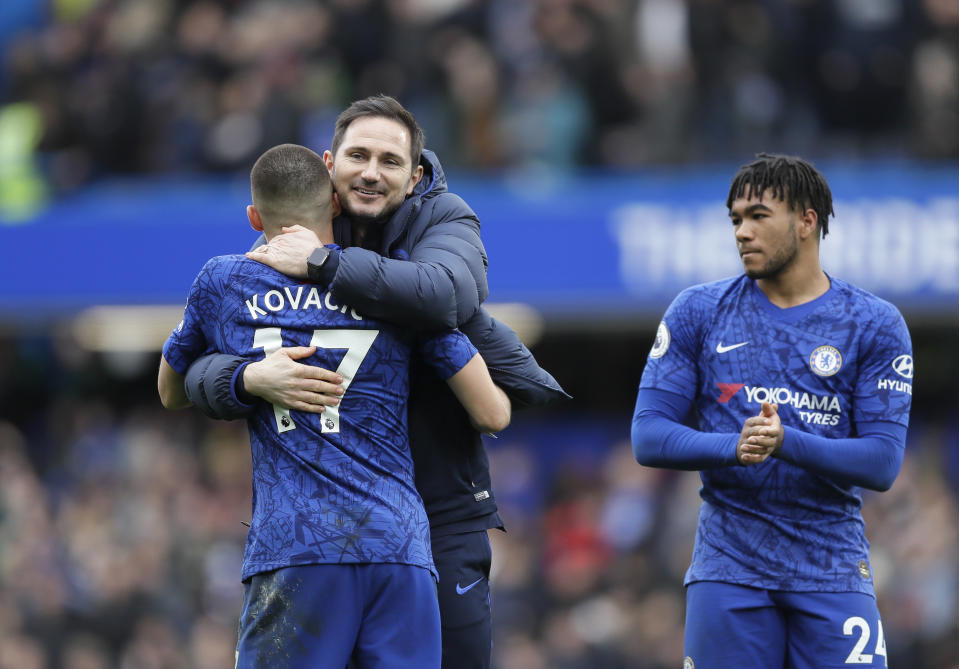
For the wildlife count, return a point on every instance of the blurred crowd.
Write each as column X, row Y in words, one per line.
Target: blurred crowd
column 121, row 525
column 161, row 86
column 121, row 534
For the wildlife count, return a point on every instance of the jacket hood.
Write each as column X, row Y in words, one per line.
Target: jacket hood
column 434, row 178
column 431, row 185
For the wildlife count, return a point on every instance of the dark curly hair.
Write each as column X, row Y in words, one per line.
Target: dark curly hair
column 790, row 179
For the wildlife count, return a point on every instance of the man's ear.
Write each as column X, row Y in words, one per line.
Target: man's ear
column 809, row 224
column 328, row 159
column 415, row 179
column 255, row 221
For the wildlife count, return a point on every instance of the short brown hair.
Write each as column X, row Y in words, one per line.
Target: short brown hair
column 289, row 177
column 385, row 107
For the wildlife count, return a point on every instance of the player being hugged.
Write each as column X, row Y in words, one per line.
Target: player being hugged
column 337, row 566
column 801, row 386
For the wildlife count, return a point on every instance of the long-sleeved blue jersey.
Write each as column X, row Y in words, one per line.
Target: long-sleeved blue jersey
column 840, row 370
column 335, row 487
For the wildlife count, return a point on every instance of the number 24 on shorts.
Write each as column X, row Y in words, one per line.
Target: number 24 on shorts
column 858, row 628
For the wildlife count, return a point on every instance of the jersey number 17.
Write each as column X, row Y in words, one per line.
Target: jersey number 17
column 357, row 344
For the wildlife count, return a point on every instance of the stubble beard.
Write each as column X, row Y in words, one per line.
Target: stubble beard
column 784, row 257
column 365, row 219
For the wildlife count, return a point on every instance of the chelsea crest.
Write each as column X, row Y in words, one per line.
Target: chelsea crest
column 825, row 360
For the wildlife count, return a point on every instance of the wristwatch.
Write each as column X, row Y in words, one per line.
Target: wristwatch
column 314, row 264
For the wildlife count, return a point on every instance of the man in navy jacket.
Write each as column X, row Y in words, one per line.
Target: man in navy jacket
column 412, row 256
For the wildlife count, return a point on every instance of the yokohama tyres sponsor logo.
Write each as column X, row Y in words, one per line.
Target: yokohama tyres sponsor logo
column 801, row 401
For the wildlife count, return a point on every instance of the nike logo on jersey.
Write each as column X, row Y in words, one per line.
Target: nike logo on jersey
column 725, row 349
column 463, row 591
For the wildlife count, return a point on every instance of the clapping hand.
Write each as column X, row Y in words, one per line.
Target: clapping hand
column 762, row 436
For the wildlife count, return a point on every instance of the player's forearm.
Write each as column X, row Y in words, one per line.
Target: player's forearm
column 494, row 415
column 170, row 387
column 661, row 442
column 869, row 461
column 486, row 404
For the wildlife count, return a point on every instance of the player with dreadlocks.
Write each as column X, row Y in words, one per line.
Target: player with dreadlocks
column 800, row 385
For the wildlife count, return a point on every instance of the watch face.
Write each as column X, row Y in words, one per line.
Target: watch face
column 315, row 262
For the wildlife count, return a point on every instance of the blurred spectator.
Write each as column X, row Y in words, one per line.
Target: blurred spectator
column 155, row 86
column 102, row 565
column 121, row 525
column 22, row 186
column 119, row 547
column 860, row 70
column 934, row 93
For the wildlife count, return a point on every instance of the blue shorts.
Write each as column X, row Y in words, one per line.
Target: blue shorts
column 733, row 626
column 463, row 562
column 374, row 616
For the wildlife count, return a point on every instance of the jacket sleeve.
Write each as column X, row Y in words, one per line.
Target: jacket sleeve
column 511, row 364
column 440, row 283
column 210, row 383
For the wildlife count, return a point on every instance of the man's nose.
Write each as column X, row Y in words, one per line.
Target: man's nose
column 371, row 172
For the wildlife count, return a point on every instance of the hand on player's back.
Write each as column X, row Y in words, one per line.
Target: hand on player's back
column 762, row 436
column 287, row 253
column 280, row 380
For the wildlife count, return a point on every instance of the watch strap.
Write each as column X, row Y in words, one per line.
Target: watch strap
column 322, row 263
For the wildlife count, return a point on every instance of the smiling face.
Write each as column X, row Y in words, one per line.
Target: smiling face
column 372, row 170
column 766, row 234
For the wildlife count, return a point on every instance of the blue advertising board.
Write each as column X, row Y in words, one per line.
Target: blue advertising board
column 604, row 245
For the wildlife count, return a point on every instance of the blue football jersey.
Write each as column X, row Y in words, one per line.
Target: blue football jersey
column 842, row 360
column 335, row 487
